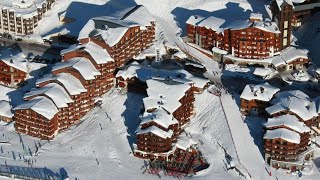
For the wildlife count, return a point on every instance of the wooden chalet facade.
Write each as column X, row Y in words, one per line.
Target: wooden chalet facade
column 37, row 117
column 11, row 75
column 286, row 143
column 250, row 39
column 161, row 124
column 255, row 98
column 85, row 73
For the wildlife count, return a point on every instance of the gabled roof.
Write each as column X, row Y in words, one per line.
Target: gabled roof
column 156, row 131
column 56, row 93
column 138, row 14
column 289, row 121
column 262, row 92
column 294, row 105
column 284, row 134
column 164, row 94
column 40, row 105
column 111, row 29
column 16, row 60
column 71, row 83
column 82, row 65
column 160, row 117
column 288, row 55
column 213, row 23
column 99, row 55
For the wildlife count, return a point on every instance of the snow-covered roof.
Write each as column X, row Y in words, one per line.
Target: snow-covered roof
column 158, row 116
column 262, row 92
column 267, row 26
column 14, row 59
column 156, row 131
column 194, row 20
column 5, row 110
column 294, row 93
column 218, row 24
column 83, row 65
column 146, row 72
column 99, row 55
column 71, row 83
column 184, row 143
column 164, row 94
column 55, row 92
column 41, row 105
column 26, row 8
column 300, row 107
column 263, row 72
column 111, row 29
column 288, row 55
column 213, row 23
column 283, row 133
column 289, row 121
column 140, row 15
column 239, row 24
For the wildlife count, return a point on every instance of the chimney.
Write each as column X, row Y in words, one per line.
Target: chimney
column 261, row 89
column 255, row 17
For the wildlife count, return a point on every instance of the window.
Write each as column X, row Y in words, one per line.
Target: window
column 285, row 33
column 285, row 42
column 285, row 24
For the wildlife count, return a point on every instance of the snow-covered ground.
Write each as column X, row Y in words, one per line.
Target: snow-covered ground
column 98, row 147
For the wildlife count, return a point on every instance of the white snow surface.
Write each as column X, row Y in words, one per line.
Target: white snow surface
column 82, row 65
column 262, row 92
column 160, row 117
column 289, row 121
column 71, row 83
column 5, row 110
column 164, row 95
column 41, row 105
column 55, row 92
column 283, row 133
column 156, row 131
column 99, row 55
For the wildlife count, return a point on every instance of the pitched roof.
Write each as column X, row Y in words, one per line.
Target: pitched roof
column 156, row 131
column 284, row 134
column 164, row 94
column 56, row 93
column 99, row 55
column 289, row 121
column 160, row 117
column 40, row 105
column 262, row 92
column 71, row 83
column 82, row 65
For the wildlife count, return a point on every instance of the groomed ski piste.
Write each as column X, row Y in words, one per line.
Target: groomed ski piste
column 98, row 147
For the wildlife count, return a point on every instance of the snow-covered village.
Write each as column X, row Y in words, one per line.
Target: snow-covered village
column 159, row 89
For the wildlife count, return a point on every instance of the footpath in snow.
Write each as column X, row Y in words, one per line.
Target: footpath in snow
column 248, row 153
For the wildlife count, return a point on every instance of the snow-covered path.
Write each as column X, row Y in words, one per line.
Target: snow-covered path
column 248, row 153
